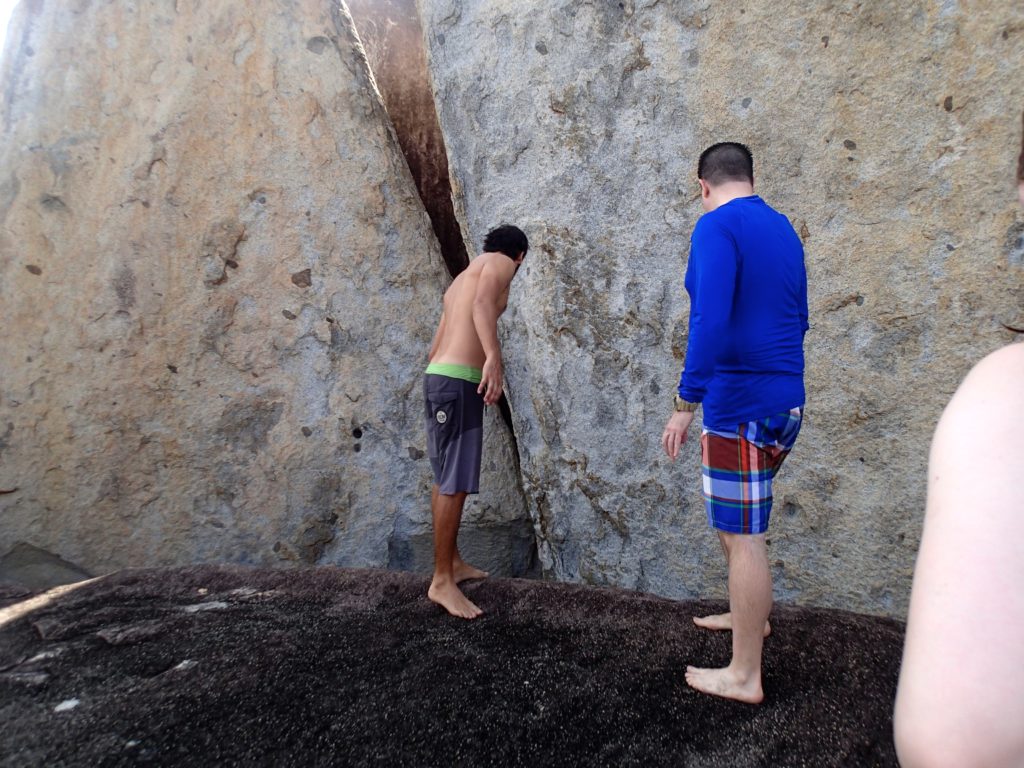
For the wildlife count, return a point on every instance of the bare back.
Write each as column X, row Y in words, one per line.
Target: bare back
column 458, row 340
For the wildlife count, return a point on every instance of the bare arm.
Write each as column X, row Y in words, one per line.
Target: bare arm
column 490, row 287
column 961, row 693
column 437, row 338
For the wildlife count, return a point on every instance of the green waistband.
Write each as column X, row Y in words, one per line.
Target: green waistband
column 453, row 371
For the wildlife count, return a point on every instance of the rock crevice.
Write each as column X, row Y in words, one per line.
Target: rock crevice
column 222, row 286
column 583, row 122
column 392, row 37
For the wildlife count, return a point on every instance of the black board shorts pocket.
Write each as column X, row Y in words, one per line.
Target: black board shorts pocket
column 442, row 416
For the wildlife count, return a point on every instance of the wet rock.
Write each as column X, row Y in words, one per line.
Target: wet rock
column 552, row 674
column 12, row 593
column 213, row 605
column 30, row 679
column 133, row 633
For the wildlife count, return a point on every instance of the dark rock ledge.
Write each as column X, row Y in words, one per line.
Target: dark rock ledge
column 233, row 666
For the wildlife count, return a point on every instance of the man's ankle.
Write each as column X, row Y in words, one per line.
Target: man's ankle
column 442, row 579
column 744, row 675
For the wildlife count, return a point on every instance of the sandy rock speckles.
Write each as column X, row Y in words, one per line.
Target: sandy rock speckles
column 361, row 664
column 136, row 633
column 213, row 605
column 583, row 122
column 30, row 679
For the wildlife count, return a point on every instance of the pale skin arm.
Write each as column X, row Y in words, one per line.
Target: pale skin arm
column 960, row 700
column 487, row 305
column 674, row 435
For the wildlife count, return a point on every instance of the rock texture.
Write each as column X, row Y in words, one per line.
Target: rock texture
column 391, row 34
column 327, row 666
column 219, row 286
column 886, row 131
column 37, row 569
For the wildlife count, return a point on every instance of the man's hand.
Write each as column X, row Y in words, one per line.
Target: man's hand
column 675, row 433
column 491, row 380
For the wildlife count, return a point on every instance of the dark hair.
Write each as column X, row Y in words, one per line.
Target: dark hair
column 1020, row 160
column 508, row 240
column 726, row 161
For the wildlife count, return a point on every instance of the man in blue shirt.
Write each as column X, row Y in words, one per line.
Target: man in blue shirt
column 744, row 365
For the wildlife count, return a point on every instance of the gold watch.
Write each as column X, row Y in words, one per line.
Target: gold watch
column 684, row 405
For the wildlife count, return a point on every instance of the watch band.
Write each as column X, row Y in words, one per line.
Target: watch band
column 684, row 405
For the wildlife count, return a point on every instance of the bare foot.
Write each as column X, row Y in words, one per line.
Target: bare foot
column 450, row 597
column 464, row 571
column 725, row 683
column 723, row 621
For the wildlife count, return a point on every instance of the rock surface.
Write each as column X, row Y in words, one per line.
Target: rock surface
column 393, row 39
column 222, row 286
column 317, row 666
column 886, row 131
column 37, row 569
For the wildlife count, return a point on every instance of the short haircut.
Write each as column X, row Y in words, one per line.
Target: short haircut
column 726, row 161
column 508, row 240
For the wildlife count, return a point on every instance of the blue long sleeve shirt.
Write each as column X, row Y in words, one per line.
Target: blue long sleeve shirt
column 748, row 314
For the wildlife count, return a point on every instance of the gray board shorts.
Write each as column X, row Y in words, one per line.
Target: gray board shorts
column 455, row 427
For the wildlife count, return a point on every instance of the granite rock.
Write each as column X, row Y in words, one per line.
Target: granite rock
column 887, row 132
column 36, row 569
column 221, row 284
column 391, row 34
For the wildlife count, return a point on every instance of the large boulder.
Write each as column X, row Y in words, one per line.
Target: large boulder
column 36, row 569
column 219, row 287
column 886, row 131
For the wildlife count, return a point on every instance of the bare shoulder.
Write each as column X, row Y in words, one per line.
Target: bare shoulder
column 994, row 385
column 495, row 261
column 1008, row 358
column 456, row 283
column 985, row 416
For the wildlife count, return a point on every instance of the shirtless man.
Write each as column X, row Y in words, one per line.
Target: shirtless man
column 465, row 373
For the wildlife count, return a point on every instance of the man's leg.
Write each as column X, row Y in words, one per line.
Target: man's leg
column 461, row 570
column 750, row 602
column 723, row 621
column 447, row 512
column 464, row 571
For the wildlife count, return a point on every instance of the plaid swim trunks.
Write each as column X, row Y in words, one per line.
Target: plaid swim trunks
column 738, row 468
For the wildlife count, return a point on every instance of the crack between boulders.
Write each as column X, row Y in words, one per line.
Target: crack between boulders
column 391, row 36
column 357, row 17
column 437, row 192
